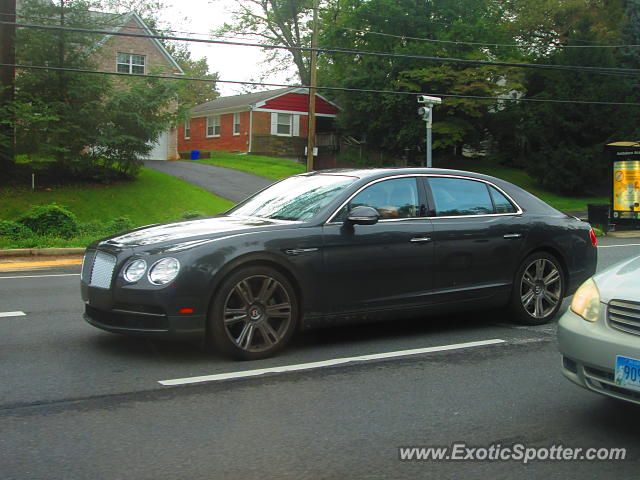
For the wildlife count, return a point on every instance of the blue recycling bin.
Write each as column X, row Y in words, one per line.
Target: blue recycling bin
column 195, row 154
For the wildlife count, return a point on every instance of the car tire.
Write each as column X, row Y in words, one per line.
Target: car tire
column 538, row 289
column 253, row 314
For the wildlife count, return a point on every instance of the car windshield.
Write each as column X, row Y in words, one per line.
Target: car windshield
column 295, row 198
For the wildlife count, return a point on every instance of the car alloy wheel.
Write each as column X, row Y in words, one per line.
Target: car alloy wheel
column 539, row 289
column 256, row 313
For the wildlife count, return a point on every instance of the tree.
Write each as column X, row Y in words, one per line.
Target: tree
column 276, row 22
column 563, row 143
column 73, row 117
column 435, row 28
column 194, row 92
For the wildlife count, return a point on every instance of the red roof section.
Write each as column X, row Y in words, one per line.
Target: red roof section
column 297, row 102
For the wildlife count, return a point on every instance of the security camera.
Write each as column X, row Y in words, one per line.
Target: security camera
column 429, row 100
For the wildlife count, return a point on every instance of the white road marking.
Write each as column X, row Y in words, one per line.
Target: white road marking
column 615, row 246
column 43, row 276
column 12, row 314
column 327, row 363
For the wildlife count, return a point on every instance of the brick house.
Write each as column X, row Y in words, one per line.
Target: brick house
column 272, row 123
column 137, row 55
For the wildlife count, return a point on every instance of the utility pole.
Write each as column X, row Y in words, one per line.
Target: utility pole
column 311, row 130
column 7, row 81
column 426, row 113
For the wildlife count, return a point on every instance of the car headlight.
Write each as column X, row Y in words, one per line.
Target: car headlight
column 135, row 271
column 164, row 271
column 586, row 301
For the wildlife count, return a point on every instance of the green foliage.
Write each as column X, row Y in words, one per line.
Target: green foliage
column 390, row 122
column 82, row 120
column 118, row 225
column 51, row 220
column 14, row 230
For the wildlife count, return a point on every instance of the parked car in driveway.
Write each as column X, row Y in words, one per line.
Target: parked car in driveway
column 335, row 245
column 599, row 335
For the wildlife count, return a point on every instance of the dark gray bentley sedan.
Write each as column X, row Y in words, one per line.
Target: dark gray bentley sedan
column 335, row 245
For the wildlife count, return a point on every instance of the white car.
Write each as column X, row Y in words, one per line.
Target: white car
column 599, row 335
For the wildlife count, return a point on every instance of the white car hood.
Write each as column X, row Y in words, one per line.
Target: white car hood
column 620, row 281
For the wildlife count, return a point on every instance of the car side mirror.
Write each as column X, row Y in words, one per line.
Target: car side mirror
column 363, row 215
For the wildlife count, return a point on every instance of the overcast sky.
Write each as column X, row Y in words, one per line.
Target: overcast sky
column 231, row 62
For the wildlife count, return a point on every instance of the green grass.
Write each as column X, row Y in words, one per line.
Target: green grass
column 522, row 179
column 153, row 197
column 268, row 167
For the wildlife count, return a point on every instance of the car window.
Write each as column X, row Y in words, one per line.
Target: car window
column 502, row 203
column 457, row 196
column 295, row 198
column 395, row 198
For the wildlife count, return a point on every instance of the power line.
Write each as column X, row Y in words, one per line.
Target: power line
column 572, row 68
column 328, row 88
column 486, row 44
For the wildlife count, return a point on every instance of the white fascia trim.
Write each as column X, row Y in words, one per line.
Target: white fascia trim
column 159, row 45
column 294, row 112
column 220, row 111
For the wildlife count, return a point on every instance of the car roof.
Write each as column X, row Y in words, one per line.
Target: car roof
column 372, row 173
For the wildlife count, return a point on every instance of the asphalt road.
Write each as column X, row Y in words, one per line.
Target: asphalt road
column 78, row 403
column 233, row 185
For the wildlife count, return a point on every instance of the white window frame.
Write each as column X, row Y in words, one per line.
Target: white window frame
column 129, row 63
column 213, row 125
column 187, row 130
column 236, row 123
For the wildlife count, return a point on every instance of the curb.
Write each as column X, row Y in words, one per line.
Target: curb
column 42, row 252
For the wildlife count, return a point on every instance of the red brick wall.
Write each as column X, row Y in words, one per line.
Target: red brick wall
column 226, row 142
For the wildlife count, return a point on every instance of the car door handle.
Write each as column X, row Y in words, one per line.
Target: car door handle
column 420, row 239
column 513, row 235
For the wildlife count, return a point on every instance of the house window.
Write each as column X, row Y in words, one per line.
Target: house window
column 130, row 63
column 187, row 130
column 236, row 124
column 213, row 126
column 284, row 124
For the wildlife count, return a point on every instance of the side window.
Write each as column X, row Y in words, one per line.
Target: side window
column 457, row 196
column 502, row 203
column 396, row 198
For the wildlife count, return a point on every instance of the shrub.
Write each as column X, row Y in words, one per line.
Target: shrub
column 118, row 225
column 14, row 230
column 52, row 220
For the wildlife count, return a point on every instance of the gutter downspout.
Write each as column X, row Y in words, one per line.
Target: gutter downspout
column 250, row 128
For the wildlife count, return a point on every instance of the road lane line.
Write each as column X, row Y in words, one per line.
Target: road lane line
column 44, row 276
column 617, row 246
column 327, row 363
column 12, row 314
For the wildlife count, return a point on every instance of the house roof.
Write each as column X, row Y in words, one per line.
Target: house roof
column 240, row 101
column 116, row 22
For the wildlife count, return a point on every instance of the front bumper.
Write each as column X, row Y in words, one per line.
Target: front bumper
column 146, row 324
column 589, row 353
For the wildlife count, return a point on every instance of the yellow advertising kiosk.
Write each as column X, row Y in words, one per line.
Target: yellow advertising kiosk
column 625, row 191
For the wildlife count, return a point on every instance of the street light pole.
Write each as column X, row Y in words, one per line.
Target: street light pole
column 7, row 81
column 427, row 115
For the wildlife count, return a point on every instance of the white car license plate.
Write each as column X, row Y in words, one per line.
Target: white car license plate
column 628, row 372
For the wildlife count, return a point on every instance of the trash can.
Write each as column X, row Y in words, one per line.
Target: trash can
column 598, row 214
column 195, row 154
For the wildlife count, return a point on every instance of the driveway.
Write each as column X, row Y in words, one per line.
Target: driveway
column 224, row 182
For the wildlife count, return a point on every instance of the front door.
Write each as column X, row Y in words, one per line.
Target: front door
column 381, row 266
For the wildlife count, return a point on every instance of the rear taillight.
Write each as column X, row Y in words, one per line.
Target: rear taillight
column 594, row 239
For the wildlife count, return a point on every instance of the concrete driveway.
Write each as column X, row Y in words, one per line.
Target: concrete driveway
column 224, row 182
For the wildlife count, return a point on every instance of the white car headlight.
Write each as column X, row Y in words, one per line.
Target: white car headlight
column 586, row 301
column 135, row 271
column 164, row 271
